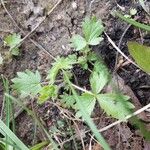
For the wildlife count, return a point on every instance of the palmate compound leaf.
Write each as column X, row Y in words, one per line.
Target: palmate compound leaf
column 48, row 91
column 141, row 54
column 99, row 77
column 27, row 83
column 115, row 105
column 88, row 102
column 61, row 63
column 12, row 41
column 92, row 29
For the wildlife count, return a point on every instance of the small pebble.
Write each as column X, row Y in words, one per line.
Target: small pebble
column 74, row 5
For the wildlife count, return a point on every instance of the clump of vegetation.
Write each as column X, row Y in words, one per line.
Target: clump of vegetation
column 60, row 77
column 29, row 84
column 81, row 100
column 11, row 41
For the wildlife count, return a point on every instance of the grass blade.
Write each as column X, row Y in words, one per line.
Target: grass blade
column 35, row 118
column 8, row 109
column 12, row 136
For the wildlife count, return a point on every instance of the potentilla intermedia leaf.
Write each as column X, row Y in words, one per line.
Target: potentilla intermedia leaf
column 78, row 42
column 61, row 63
column 48, row 91
column 27, row 83
column 98, row 80
column 12, row 41
column 99, row 77
column 92, row 29
column 141, row 54
column 115, row 105
column 88, row 101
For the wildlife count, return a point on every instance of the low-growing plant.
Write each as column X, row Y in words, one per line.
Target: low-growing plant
column 30, row 84
column 11, row 41
column 78, row 98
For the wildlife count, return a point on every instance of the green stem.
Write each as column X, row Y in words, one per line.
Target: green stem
column 133, row 22
column 86, row 117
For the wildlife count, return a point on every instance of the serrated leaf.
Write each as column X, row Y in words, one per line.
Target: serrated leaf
column 95, row 41
column 141, row 54
column 115, row 105
column 98, row 78
column 15, row 51
column 88, row 101
column 27, row 83
column 68, row 100
column 12, row 41
column 98, row 81
column 61, row 63
column 49, row 91
column 99, row 66
column 92, row 56
column 92, row 29
column 78, row 42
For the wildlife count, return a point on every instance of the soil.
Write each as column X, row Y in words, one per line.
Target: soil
column 54, row 35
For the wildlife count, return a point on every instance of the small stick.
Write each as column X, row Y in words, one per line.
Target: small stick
column 126, row 118
column 119, row 45
column 118, row 49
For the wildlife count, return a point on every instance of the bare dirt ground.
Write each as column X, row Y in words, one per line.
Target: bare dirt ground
column 53, row 35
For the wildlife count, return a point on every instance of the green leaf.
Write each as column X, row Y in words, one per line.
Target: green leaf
column 86, row 117
column 88, row 101
column 49, row 91
column 68, row 100
column 15, row 51
column 98, row 78
column 2, row 146
column 12, row 136
column 27, row 83
column 82, row 60
column 78, row 42
column 95, row 41
column 92, row 56
column 12, row 41
column 141, row 54
column 61, row 63
column 99, row 66
column 115, row 105
column 92, row 29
